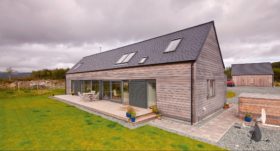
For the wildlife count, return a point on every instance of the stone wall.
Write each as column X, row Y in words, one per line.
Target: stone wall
column 34, row 84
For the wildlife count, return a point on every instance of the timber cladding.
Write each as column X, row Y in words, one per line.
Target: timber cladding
column 254, row 106
column 173, row 85
column 209, row 65
column 253, row 80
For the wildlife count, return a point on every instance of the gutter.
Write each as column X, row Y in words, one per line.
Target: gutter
column 192, row 103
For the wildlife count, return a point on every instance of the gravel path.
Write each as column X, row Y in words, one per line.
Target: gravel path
column 238, row 90
column 239, row 139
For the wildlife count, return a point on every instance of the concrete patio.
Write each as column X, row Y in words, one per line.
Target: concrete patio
column 108, row 108
column 210, row 130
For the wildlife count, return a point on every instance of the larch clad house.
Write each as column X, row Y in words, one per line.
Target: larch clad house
column 181, row 72
column 252, row 74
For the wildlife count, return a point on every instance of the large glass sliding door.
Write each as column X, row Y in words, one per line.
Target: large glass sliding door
column 75, row 86
column 106, row 90
column 95, row 86
column 87, row 86
column 117, row 91
column 112, row 90
column 125, row 92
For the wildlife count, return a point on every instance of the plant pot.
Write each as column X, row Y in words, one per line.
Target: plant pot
column 226, row 107
column 248, row 119
column 132, row 119
column 128, row 115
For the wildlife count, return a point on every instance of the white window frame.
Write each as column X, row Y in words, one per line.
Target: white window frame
column 173, row 45
column 122, row 58
column 128, row 58
column 143, row 60
column 77, row 66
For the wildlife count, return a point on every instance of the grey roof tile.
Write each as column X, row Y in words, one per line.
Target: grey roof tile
column 192, row 41
column 264, row 68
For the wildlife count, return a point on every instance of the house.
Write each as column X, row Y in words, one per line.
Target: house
column 180, row 72
column 252, row 74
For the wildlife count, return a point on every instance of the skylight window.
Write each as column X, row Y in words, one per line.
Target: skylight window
column 128, row 57
column 125, row 58
column 172, row 45
column 143, row 60
column 77, row 66
column 122, row 59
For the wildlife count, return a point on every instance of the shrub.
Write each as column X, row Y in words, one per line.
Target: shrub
column 155, row 109
column 248, row 115
column 130, row 109
column 133, row 114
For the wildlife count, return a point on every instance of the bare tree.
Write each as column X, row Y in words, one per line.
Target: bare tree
column 9, row 71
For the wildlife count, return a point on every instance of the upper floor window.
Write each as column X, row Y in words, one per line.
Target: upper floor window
column 125, row 58
column 77, row 66
column 172, row 45
column 210, row 88
column 128, row 57
column 143, row 60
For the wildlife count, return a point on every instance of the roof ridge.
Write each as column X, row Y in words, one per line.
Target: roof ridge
column 152, row 38
column 251, row 63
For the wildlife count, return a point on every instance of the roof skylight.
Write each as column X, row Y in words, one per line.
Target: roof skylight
column 77, row 66
column 122, row 58
column 172, row 45
column 143, row 60
column 128, row 57
column 125, row 58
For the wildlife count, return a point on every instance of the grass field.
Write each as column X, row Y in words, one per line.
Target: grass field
column 30, row 120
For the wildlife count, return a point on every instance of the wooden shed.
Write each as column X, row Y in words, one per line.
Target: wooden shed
column 252, row 74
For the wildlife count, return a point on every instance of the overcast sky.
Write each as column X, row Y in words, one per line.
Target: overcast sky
column 37, row 34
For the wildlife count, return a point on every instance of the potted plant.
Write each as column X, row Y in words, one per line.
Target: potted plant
column 129, row 110
column 226, row 106
column 156, row 111
column 133, row 116
column 248, row 117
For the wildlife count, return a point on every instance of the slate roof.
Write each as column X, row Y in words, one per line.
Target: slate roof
column 189, row 48
column 264, row 68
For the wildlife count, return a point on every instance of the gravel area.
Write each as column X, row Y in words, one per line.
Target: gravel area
column 263, row 90
column 239, row 138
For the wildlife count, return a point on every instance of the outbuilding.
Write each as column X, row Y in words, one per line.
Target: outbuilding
column 252, row 74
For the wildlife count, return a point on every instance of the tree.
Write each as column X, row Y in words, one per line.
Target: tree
column 49, row 74
column 228, row 72
column 9, row 71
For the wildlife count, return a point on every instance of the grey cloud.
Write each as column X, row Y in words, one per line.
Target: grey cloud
column 47, row 34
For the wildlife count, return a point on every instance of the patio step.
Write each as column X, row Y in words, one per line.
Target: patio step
column 145, row 118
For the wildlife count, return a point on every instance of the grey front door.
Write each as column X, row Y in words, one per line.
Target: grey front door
column 138, row 93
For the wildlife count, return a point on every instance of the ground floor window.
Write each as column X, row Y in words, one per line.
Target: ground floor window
column 86, row 86
column 210, row 88
column 130, row 92
column 95, row 86
column 116, row 90
column 106, row 94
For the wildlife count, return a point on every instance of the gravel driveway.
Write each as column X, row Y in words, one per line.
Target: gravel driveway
column 238, row 136
column 238, row 90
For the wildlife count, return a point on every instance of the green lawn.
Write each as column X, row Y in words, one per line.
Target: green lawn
column 30, row 120
column 230, row 94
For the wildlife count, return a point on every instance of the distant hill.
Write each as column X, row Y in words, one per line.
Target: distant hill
column 4, row 75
